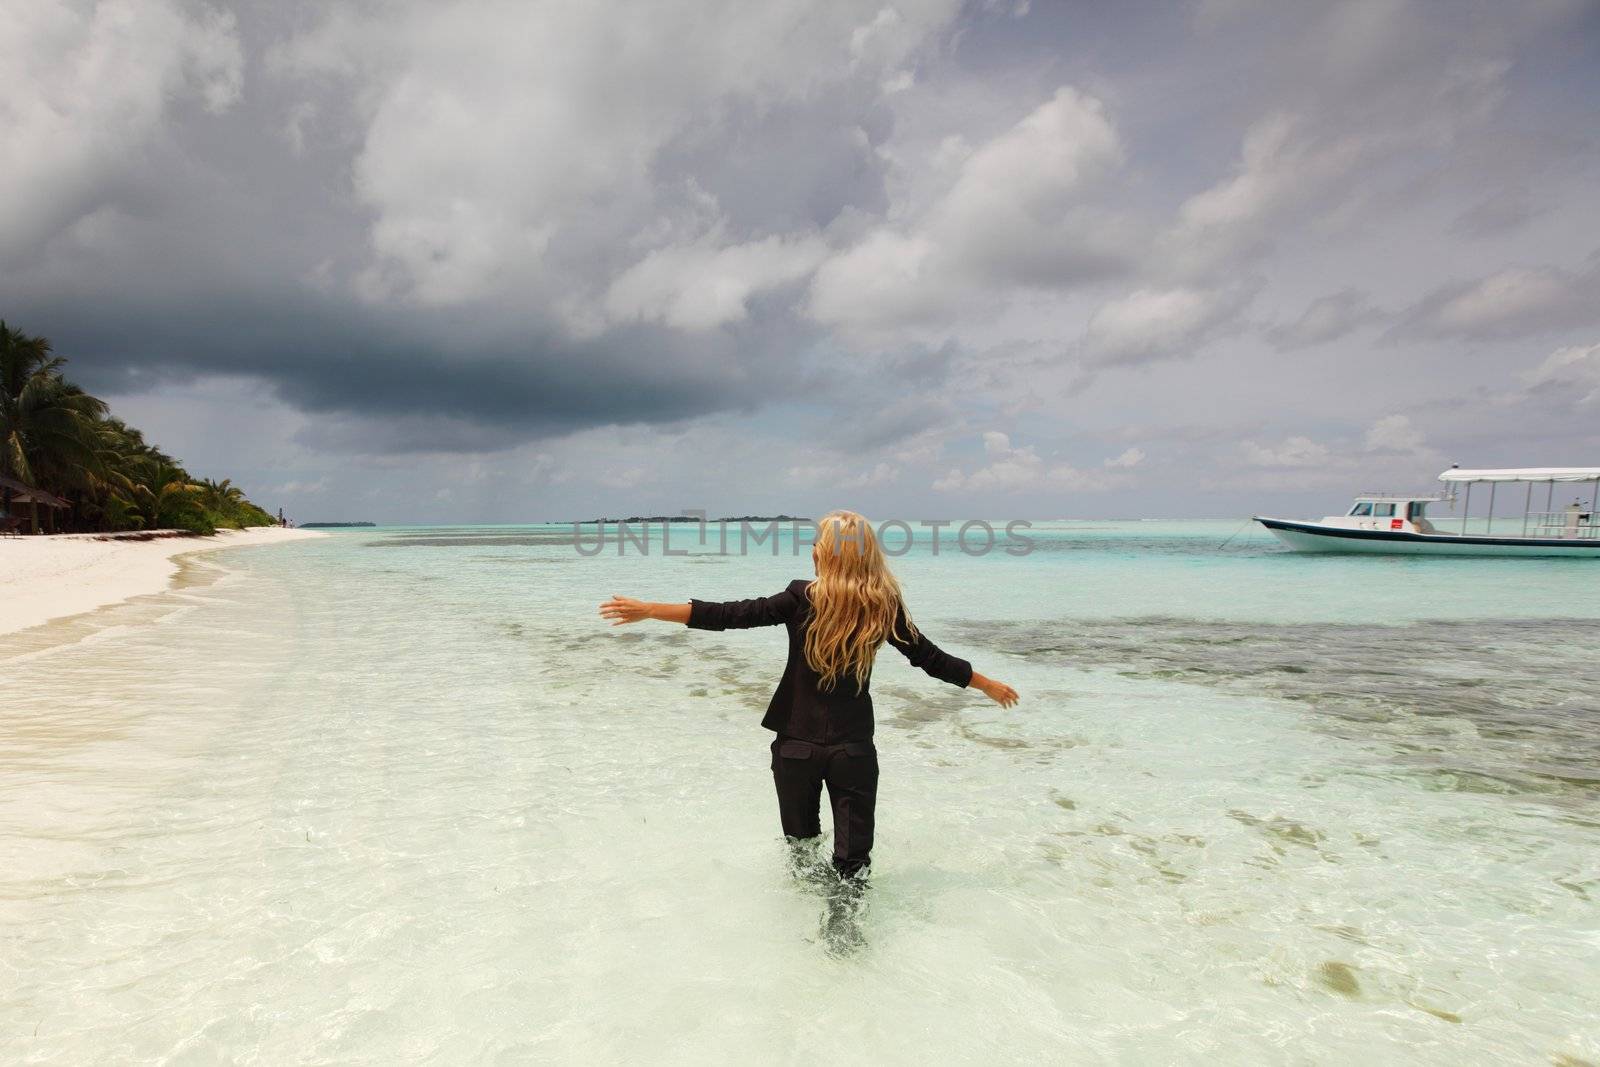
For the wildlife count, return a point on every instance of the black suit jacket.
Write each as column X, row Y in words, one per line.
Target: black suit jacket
column 800, row 708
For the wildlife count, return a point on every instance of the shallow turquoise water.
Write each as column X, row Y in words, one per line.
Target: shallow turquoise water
column 398, row 795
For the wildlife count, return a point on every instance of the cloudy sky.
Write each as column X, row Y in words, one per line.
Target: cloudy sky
column 495, row 260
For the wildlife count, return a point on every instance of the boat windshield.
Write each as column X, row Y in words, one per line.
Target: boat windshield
column 1364, row 507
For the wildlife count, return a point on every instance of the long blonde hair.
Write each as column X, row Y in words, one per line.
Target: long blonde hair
column 854, row 601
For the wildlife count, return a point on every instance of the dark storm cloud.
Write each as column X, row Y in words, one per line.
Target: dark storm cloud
column 467, row 225
column 239, row 239
column 445, row 391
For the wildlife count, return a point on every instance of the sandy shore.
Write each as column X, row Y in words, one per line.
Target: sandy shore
column 44, row 578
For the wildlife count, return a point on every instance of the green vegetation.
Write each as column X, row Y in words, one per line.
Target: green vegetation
column 58, row 438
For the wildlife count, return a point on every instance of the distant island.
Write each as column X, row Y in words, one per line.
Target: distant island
column 691, row 518
column 333, row 525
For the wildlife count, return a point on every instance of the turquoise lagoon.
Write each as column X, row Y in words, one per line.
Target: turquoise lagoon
column 398, row 795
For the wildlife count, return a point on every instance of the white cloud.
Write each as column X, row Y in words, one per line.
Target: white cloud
column 1510, row 294
column 1503, row 210
column 1290, row 452
column 1026, row 178
column 1129, row 458
column 898, row 82
column 1574, row 370
column 101, row 79
column 947, row 223
column 1361, row 88
column 1327, row 318
column 1263, row 176
column 1516, row 301
column 868, row 35
column 294, row 127
column 1011, row 469
column 837, row 475
column 1152, row 324
column 1393, row 433
column 887, row 279
column 1016, row 213
column 701, row 286
column 540, row 466
column 297, row 488
column 880, row 474
column 505, row 141
column 622, row 478
column 1282, row 166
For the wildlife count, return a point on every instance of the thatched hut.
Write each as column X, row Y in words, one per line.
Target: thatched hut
column 20, row 493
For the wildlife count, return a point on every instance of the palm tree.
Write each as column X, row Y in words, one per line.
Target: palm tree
column 55, row 436
column 166, row 498
column 108, row 499
column 222, row 497
column 46, row 422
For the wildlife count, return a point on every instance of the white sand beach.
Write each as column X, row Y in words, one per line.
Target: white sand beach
column 44, row 578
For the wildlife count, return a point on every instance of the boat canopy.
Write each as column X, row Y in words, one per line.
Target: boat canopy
column 1523, row 474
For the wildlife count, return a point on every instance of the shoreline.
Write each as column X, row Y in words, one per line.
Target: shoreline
column 56, row 576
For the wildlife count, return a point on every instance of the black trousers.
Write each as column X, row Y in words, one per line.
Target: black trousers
column 850, row 771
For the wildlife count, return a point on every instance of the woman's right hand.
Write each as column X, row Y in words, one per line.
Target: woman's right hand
column 999, row 692
column 622, row 610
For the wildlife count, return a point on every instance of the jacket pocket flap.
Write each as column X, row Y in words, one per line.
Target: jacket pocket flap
column 859, row 748
column 795, row 749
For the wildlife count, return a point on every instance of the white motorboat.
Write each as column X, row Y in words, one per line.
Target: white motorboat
column 1399, row 523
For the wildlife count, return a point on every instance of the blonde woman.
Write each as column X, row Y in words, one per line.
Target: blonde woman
column 822, row 711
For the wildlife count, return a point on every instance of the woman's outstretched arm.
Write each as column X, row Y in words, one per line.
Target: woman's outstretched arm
column 624, row 609
column 928, row 656
column 708, row 614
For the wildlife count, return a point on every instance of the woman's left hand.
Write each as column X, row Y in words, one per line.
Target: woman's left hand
column 999, row 692
column 624, row 609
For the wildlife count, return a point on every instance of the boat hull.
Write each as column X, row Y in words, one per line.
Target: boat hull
column 1313, row 537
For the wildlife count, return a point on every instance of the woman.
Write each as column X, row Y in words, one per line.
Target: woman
column 822, row 711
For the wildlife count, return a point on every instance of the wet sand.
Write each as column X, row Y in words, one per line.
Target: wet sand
column 52, row 577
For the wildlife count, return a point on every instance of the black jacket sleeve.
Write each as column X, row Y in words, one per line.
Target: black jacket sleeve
column 927, row 655
column 772, row 610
